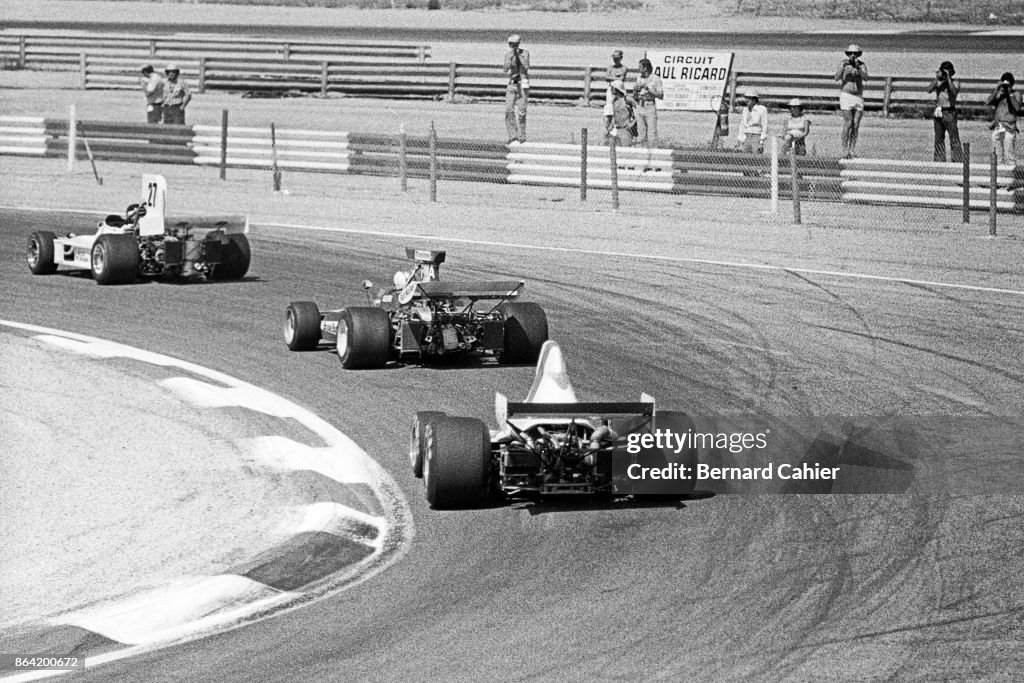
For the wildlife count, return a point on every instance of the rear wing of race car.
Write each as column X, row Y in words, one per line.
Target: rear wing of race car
column 591, row 408
column 229, row 224
column 501, row 289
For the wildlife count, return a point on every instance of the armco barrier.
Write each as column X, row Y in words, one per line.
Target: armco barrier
column 675, row 170
column 62, row 50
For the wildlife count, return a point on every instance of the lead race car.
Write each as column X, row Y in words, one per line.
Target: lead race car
column 145, row 243
column 550, row 445
column 422, row 318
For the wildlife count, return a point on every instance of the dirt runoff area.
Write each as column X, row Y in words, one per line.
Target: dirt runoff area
column 108, row 492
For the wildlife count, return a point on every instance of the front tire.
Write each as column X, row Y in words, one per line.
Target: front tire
column 39, row 253
column 526, row 330
column 364, row 338
column 417, row 440
column 456, row 462
column 115, row 259
column 302, row 326
column 234, row 260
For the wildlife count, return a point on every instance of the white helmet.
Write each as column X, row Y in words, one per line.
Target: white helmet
column 514, row 39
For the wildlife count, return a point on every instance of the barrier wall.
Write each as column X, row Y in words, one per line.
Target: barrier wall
column 673, row 170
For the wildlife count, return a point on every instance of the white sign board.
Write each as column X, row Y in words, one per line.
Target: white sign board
column 693, row 81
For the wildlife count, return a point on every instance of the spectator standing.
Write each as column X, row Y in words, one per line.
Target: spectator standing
column 946, row 89
column 851, row 75
column 176, row 96
column 616, row 72
column 798, row 127
column 753, row 125
column 153, row 88
column 647, row 92
column 622, row 116
column 1008, row 107
column 517, row 66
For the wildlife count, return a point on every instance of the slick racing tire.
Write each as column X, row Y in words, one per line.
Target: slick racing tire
column 526, row 330
column 418, row 439
column 40, row 253
column 115, row 259
column 234, row 260
column 456, row 462
column 302, row 326
column 364, row 338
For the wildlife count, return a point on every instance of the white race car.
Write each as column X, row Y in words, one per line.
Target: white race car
column 143, row 243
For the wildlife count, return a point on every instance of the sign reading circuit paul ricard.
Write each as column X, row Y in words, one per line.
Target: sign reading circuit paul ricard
column 693, row 81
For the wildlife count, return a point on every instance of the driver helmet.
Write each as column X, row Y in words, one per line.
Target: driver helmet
column 401, row 279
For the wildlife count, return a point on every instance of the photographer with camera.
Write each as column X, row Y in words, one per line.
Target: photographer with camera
column 647, row 91
column 851, row 75
column 153, row 88
column 517, row 66
column 946, row 89
column 1008, row 107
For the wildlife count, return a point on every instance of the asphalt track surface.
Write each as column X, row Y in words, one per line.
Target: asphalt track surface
column 925, row 584
column 938, row 41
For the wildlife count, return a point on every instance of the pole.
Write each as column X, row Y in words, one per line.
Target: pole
column 795, row 184
column 72, row 137
column 775, row 176
column 433, row 163
column 273, row 157
column 223, row 144
column 967, row 182
column 583, row 164
column 403, row 160
column 614, row 160
column 993, row 176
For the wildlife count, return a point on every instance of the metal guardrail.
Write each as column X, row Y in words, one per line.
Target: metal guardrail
column 62, row 51
column 670, row 170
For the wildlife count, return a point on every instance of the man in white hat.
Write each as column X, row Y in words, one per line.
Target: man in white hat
column 851, row 75
column 517, row 66
column 153, row 89
column 176, row 96
column 753, row 125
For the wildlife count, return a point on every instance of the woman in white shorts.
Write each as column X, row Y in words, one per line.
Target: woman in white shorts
column 851, row 75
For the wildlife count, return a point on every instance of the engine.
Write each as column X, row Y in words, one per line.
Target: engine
column 558, row 458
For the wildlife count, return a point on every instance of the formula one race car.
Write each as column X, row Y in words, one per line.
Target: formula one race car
column 423, row 318
column 143, row 243
column 552, row 445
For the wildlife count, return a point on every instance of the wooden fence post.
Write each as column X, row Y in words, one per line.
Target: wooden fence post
column 223, row 144
column 83, row 70
column 967, row 182
column 22, row 52
column 324, row 78
column 452, row 70
column 72, row 137
column 587, row 85
column 775, row 176
column 433, row 163
column 287, row 51
column 993, row 177
column 614, row 160
column 732, row 91
column 152, row 47
column 403, row 159
column 795, row 185
column 276, row 170
column 583, row 165
column 887, row 97
column 421, row 54
column 202, row 75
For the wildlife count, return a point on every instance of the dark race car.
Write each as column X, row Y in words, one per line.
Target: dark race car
column 422, row 318
column 552, row 445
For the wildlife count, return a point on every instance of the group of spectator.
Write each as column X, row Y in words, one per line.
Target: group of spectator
column 167, row 95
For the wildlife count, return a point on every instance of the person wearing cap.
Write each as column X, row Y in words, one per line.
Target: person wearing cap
column 647, row 92
column 946, row 89
column 517, row 66
column 153, row 89
column 176, row 96
column 616, row 72
column 623, row 119
column 798, row 127
column 851, row 75
column 753, row 125
column 1007, row 106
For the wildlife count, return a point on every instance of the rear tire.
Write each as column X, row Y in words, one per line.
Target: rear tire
column 364, row 338
column 39, row 253
column 234, row 260
column 456, row 462
column 526, row 330
column 302, row 326
column 115, row 259
column 417, row 440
